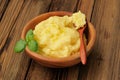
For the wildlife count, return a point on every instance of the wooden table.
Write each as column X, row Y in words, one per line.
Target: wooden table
column 103, row 62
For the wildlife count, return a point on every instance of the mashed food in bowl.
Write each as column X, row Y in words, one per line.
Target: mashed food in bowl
column 58, row 37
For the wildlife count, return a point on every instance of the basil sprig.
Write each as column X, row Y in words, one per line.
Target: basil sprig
column 29, row 41
column 20, row 46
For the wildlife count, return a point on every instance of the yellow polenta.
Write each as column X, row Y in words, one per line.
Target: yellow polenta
column 57, row 36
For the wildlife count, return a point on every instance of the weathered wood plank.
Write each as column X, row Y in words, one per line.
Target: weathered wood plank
column 8, row 20
column 104, row 62
column 39, row 72
column 63, row 5
column 86, row 7
column 14, row 66
column 3, row 6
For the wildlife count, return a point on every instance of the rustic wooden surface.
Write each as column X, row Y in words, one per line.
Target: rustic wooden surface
column 103, row 62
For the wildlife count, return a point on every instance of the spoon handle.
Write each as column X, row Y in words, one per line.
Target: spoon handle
column 82, row 47
column 83, row 52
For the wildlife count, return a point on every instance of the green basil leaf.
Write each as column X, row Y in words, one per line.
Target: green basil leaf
column 32, row 45
column 20, row 46
column 29, row 35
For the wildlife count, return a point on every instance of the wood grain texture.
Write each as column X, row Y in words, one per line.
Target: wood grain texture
column 15, row 66
column 104, row 62
column 3, row 6
column 63, row 5
column 8, row 20
column 86, row 7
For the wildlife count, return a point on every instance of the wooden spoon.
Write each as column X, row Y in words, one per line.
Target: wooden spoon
column 82, row 46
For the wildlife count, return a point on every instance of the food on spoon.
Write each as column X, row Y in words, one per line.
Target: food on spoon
column 58, row 37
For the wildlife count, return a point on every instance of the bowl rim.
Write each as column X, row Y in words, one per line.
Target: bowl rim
column 39, row 57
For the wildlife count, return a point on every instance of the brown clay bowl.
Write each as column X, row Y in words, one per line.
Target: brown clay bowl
column 58, row 62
